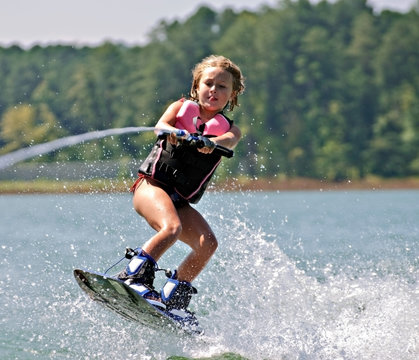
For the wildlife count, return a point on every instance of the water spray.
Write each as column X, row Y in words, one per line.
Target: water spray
column 41, row 149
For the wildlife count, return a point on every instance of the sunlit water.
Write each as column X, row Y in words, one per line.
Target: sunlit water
column 297, row 275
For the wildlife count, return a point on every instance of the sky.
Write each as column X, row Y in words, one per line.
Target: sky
column 91, row 22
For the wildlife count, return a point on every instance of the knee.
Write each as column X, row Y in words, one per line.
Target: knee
column 172, row 230
column 209, row 244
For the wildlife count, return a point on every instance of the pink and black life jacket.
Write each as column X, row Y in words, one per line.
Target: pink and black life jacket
column 183, row 167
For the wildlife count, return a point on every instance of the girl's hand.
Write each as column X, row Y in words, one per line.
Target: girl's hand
column 173, row 138
column 208, row 145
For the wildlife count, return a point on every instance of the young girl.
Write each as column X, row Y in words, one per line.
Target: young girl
column 175, row 175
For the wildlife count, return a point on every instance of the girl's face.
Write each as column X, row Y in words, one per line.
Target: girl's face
column 215, row 89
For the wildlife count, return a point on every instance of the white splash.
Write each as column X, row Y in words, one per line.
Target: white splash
column 40, row 149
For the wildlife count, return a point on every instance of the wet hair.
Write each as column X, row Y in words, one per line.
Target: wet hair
column 224, row 63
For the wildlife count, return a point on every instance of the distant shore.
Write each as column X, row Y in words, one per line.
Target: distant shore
column 121, row 186
column 296, row 184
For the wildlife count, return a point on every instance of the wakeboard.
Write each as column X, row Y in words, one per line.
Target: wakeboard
column 122, row 299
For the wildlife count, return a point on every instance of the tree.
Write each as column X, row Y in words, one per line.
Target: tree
column 397, row 131
column 26, row 125
column 332, row 88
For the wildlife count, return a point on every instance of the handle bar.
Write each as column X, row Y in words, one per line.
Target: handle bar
column 193, row 140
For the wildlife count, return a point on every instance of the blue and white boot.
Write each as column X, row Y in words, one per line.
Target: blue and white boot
column 139, row 275
column 177, row 294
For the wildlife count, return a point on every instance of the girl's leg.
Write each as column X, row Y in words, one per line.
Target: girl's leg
column 198, row 235
column 153, row 203
column 185, row 223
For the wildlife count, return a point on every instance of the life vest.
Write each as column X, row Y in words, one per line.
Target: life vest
column 182, row 166
column 188, row 119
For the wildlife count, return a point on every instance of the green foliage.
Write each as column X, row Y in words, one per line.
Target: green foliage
column 26, row 125
column 332, row 89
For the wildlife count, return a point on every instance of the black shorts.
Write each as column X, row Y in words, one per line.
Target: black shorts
column 178, row 200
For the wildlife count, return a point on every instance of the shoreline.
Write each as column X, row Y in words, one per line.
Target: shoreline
column 231, row 185
column 307, row 184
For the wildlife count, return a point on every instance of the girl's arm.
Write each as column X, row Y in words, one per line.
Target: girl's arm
column 168, row 120
column 230, row 139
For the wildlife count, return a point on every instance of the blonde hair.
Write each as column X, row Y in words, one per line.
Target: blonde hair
column 224, row 63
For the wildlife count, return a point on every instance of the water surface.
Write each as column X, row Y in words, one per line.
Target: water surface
column 297, row 275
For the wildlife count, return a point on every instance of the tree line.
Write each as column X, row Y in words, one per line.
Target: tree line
column 332, row 89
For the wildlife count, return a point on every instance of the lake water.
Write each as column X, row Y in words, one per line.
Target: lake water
column 297, row 275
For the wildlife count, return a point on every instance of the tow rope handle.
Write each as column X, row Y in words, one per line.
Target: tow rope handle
column 196, row 141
